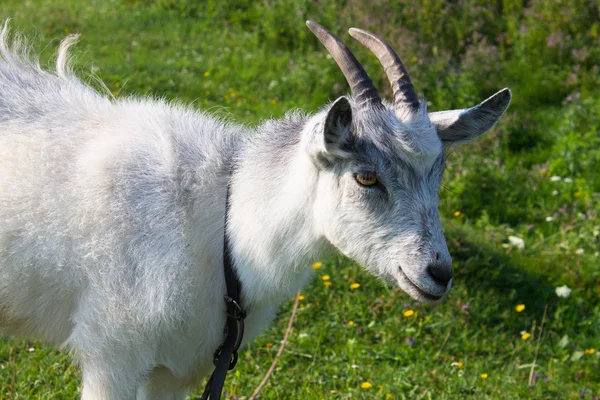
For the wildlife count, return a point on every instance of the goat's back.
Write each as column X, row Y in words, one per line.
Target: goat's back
column 94, row 198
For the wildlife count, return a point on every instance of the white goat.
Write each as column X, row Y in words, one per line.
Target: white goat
column 112, row 212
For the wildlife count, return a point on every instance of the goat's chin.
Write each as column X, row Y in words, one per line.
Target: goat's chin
column 402, row 281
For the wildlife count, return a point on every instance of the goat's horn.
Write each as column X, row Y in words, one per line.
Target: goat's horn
column 404, row 91
column 363, row 90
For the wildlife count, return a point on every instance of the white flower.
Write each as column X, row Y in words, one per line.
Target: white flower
column 555, row 178
column 517, row 242
column 549, row 219
column 303, row 335
column 568, row 180
column 554, row 192
column 579, row 251
column 354, row 366
column 563, row 291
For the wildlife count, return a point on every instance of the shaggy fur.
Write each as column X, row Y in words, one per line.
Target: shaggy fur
column 112, row 215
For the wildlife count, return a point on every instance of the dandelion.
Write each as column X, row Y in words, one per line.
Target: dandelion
column 317, row 265
column 589, row 351
column 520, row 307
column 563, row 291
column 273, row 101
column 351, row 323
column 355, row 286
column 484, row 376
column 456, row 213
column 206, row 74
column 517, row 242
column 366, row 385
column 300, row 297
column 326, row 277
column 388, row 396
column 409, row 313
column 327, row 284
column 525, row 335
column 269, row 345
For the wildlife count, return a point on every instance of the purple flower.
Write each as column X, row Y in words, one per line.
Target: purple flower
column 466, row 307
column 582, row 393
column 406, row 305
column 410, row 341
column 546, row 378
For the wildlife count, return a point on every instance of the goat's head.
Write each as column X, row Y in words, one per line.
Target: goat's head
column 380, row 168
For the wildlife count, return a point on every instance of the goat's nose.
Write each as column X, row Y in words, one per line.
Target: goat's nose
column 440, row 272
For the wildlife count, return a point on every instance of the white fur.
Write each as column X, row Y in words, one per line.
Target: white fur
column 112, row 215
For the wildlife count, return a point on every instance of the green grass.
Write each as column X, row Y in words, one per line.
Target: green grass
column 253, row 60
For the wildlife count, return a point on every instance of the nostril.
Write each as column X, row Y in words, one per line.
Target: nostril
column 436, row 256
column 440, row 273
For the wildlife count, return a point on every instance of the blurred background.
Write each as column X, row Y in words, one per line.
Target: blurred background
column 520, row 205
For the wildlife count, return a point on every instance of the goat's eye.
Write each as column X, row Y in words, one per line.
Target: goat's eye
column 366, row 178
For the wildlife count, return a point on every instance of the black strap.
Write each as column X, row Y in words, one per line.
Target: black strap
column 226, row 355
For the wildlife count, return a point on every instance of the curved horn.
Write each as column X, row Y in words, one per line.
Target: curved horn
column 404, row 91
column 363, row 90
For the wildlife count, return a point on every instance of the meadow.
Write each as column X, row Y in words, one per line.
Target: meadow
column 520, row 206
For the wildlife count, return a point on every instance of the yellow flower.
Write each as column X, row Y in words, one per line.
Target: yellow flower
column 388, row 396
column 483, row 376
column 300, row 297
column 351, row 323
column 325, row 277
column 317, row 265
column 459, row 364
column 409, row 313
column 525, row 335
column 327, row 284
column 589, row 351
column 207, row 92
column 273, row 101
column 456, row 213
column 366, row 385
column 520, row 307
column 355, row 286
column 269, row 345
column 206, row 74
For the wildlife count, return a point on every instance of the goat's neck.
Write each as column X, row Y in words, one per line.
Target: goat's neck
column 271, row 221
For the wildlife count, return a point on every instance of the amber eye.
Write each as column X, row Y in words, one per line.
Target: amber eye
column 366, row 178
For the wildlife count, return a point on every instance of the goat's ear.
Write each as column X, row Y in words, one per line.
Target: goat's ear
column 333, row 138
column 461, row 126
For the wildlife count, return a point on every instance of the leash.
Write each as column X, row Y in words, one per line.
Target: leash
column 226, row 355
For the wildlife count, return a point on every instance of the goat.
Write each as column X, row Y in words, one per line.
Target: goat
column 112, row 211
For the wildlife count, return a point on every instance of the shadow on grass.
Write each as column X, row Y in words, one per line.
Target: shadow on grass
column 500, row 281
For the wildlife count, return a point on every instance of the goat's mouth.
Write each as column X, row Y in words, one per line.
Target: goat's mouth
column 415, row 291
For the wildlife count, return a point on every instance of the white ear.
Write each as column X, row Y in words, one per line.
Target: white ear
column 333, row 138
column 460, row 126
